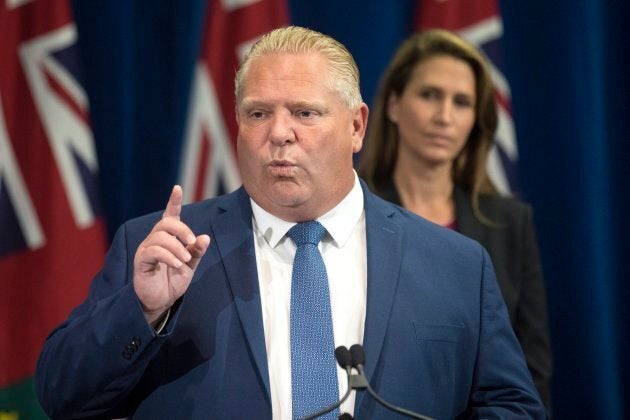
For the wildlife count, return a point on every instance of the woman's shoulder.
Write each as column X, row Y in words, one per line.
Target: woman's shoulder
column 503, row 205
column 509, row 212
column 500, row 209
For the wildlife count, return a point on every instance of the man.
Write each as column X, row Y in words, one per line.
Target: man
column 209, row 310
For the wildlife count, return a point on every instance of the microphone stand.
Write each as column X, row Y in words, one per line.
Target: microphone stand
column 358, row 359
column 385, row 403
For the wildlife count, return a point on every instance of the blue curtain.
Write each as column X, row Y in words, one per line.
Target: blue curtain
column 567, row 72
column 567, row 62
column 139, row 57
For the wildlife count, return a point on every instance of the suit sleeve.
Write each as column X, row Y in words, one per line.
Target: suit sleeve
column 91, row 362
column 502, row 386
column 531, row 323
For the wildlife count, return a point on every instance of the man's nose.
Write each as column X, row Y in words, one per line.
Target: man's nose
column 282, row 129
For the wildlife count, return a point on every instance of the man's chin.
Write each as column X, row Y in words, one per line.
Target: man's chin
column 287, row 199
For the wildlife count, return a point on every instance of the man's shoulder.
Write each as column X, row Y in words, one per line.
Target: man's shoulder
column 418, row 231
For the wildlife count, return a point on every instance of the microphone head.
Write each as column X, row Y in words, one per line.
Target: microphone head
column 343, row 356
column 345, row 416
column 358, row 356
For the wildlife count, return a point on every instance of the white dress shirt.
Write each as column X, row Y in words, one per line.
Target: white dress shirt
column 344, row 251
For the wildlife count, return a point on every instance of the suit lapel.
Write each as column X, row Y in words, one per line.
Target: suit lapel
column 467, row 223
column 384, row 253
column 233, row 236
column 234, row 239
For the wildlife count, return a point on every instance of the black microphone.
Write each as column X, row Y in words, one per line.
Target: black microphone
column 344, row 358
column 358, row 360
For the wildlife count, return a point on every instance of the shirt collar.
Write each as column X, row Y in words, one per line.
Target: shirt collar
column 339, row 221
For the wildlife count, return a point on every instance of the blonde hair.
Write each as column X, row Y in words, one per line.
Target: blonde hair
column 343, row 75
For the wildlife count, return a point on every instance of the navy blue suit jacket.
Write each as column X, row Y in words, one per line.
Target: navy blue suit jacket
column 437, row 335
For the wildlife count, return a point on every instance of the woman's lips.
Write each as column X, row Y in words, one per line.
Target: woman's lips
column 439, row 139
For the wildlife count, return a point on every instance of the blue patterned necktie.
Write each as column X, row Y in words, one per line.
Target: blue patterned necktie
column 313, row 368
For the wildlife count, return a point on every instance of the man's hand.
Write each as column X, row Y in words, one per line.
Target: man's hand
column 166, row 260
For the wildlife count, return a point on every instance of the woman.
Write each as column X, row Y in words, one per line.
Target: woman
column 431, row 131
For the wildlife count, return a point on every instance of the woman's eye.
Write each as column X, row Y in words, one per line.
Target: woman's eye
column 429, row 94
column 463, row 102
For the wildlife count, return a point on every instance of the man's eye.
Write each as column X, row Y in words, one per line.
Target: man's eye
column 256, row 115
column 306, row 114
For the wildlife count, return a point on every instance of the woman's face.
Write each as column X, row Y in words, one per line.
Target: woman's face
column 436, row 111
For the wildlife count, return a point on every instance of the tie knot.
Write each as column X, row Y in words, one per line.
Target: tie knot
column 310, row 232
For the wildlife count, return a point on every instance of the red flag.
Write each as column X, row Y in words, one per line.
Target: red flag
column 479, row 21
column 209, row 164
column 52, row 239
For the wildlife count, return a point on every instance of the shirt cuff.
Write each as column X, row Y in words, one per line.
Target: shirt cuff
column 160, row 326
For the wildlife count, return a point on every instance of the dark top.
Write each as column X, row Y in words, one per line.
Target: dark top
column 513, row 249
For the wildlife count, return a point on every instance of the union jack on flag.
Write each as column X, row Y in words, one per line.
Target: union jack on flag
column 52, row 238
column 479, row 21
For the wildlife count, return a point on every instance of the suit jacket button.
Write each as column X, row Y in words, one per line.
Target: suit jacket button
column 135, row 343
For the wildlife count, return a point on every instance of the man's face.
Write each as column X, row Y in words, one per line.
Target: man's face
column 296, row 136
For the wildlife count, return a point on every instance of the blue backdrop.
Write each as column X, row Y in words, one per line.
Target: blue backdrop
column 567, row 61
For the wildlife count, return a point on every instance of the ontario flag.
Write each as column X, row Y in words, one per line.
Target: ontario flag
column 479, row 21
column 208, row 166
column 52, row 238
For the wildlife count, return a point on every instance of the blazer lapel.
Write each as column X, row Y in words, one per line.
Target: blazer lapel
column 384, row 254
column 233, row 236
column 234, row 239
column 467, row 223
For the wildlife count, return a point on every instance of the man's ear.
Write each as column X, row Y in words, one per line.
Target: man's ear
column 359, row 125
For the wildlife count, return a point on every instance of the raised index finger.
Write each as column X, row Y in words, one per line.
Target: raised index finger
column 174, row 205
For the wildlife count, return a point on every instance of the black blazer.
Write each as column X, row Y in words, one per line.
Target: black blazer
column 513, row 249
